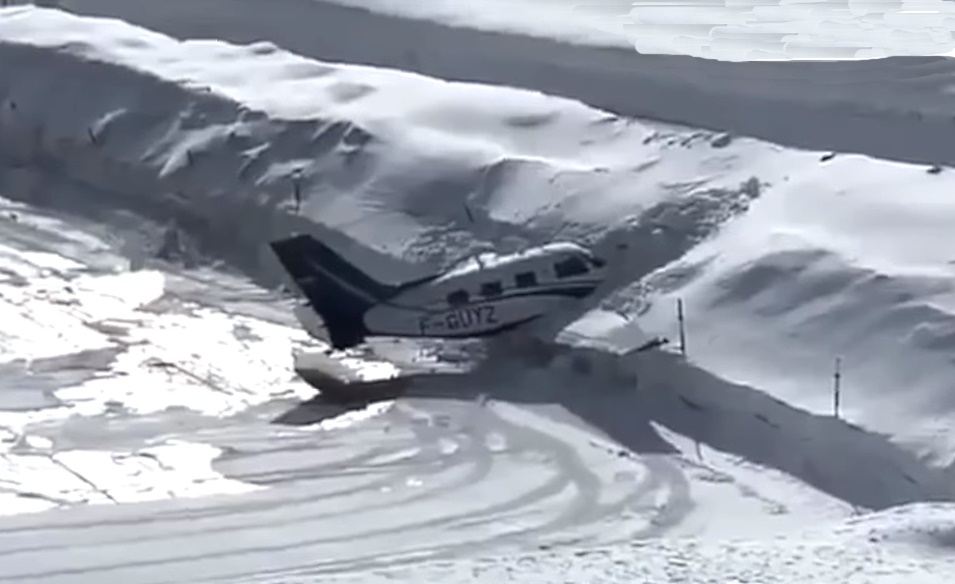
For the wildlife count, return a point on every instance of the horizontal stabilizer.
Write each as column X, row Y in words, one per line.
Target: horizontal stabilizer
column 339, row 379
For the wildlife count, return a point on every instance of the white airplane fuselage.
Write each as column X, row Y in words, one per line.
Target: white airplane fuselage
column 490, row 294
column 483, row 296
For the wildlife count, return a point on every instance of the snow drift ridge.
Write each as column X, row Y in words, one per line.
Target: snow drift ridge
column 178, row 130
column 898, row 108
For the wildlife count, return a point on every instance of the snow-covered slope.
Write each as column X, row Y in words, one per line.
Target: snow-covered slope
column 897, row 108
column 847, row 259
column 390, row 158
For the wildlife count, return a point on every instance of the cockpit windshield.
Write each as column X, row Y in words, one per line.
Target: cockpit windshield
column 595, row 261
column 574, row 265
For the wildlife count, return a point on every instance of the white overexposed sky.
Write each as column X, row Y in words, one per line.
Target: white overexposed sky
column 739, row 30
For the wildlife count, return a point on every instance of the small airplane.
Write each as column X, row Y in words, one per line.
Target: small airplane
column 528, row 295
column 485, row 296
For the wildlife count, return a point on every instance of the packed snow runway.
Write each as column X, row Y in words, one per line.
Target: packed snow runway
column 120, row 389
column 127, row 384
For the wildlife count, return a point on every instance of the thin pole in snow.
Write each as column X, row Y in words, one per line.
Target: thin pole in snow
column 297, row 190
column 679, row 316
column 836, row 386
column 477, row 257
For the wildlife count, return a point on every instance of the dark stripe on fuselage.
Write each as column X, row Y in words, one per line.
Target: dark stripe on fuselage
column 576, row 292
column 579, row 291
column 467, row 334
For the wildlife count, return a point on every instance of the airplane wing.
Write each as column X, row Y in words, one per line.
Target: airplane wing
column 605, row 330
column 584, row 325
column 348, row 378
column 384, row 369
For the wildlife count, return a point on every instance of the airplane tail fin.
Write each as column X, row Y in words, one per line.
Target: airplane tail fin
column 335, row 289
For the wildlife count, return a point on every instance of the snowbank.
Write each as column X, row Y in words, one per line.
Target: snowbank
column 220, row 138
column 850, row 261
column 898, row 108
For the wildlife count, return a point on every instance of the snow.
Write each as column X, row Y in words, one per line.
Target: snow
column 858, row 552
column 52, row 305
column 167, row 360
column 565, row 19
column 45, row 481
column 714, row 463
column 824, row 270
column 714, row 30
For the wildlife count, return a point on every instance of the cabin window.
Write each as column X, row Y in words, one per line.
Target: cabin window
column 572, row 266
column 458, row 297
column 525, row 280
column 491, row 289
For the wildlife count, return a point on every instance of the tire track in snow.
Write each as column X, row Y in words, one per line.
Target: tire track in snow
column 571, row 472
column 189, row 518
column 186, row 518
column 662, row 475
column 338, row 468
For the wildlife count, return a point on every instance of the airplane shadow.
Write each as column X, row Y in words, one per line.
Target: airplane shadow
column 860, row 467
column 598, row 407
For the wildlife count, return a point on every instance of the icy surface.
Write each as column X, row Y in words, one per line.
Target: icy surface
column 81, row 340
